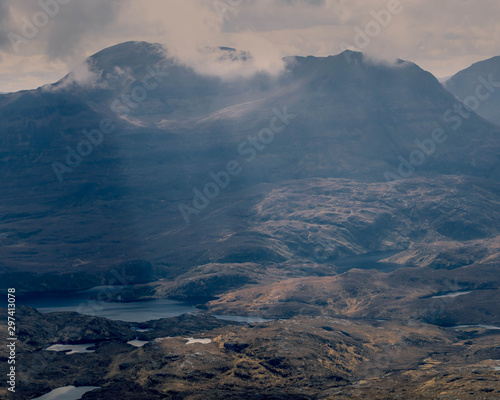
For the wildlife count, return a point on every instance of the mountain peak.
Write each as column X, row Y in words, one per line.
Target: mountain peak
column 481, row 76
column 128, row 54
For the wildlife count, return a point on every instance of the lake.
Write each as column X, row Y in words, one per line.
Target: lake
column 83, row 303
column 241, row 318
column 452, row 294
column 136, row 311
column 368, row 261
column 86, row 301
column 490, row 327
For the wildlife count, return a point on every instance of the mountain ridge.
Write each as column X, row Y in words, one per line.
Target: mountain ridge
column 122, row 188
column 468, row 82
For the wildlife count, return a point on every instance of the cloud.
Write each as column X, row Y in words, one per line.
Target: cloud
column 85, row 75
column 4, row 23
column 189, row 27
column 58, row 31
column 308, row 2
column 82, row 22
column 60, row 37
column 442, row 37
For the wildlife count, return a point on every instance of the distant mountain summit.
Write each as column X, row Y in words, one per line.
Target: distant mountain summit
column 479, row 86
column 355, row 117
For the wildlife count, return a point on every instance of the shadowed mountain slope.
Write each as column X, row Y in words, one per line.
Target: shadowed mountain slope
column 79, row 201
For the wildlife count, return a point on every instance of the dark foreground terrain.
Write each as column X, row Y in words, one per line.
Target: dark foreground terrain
column 297, row 358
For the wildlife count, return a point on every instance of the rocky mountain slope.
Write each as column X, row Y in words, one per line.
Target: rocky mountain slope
column 479, row 87
column 355, row 203
column 467, row 296
column 189, row 170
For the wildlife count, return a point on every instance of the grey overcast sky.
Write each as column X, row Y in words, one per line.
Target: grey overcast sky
column 41, row 40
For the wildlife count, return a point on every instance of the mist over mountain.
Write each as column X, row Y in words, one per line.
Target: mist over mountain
column 353, row 203
column 134, row 156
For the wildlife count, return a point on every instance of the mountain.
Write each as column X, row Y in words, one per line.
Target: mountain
column 352, row 202
column 480, row 84
column 136, row 163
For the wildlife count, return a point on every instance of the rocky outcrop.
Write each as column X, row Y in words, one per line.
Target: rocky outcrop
column 418, row 293
column 299, row 358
